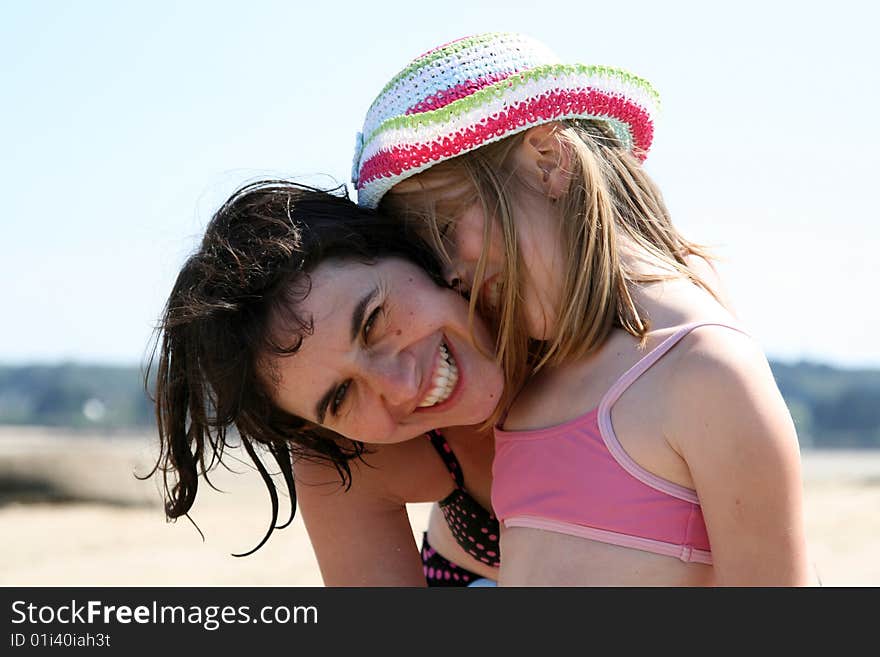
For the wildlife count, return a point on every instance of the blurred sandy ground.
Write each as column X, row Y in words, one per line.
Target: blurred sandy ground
column 72, row 514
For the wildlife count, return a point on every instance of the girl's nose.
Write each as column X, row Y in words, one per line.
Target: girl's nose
column 453, row 278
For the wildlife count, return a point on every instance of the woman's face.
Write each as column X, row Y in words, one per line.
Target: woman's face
column 391, row 355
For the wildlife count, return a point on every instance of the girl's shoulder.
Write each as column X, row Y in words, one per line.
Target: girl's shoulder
column 720, row 389
column 706, row 360
column 713, row 354
column 709, row 274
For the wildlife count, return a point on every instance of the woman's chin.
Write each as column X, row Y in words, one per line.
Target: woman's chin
column 483, row 410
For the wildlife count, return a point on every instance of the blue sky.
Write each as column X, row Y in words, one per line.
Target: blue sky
column 124, row 126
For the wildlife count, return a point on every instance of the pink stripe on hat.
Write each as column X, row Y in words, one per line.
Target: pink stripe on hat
column 398, row 159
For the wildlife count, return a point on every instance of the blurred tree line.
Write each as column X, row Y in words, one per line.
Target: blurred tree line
column 75, row 396
column 831, row 407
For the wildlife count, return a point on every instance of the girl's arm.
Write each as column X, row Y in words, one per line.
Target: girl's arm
column 730, row 424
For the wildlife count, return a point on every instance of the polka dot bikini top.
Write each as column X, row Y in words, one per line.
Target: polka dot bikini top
column 475, row 529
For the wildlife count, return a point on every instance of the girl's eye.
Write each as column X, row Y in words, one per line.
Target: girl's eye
column 371, row 320
column 444, row 230
column 339, row 397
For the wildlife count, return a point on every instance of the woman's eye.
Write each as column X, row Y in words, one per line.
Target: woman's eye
column 371, row 320
column 339, row 397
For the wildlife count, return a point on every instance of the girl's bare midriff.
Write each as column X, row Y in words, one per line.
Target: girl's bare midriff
column 544, row 558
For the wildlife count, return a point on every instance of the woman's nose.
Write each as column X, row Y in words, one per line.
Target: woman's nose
column 395, row 378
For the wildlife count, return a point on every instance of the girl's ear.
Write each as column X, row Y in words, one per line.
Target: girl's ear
column 544, row 160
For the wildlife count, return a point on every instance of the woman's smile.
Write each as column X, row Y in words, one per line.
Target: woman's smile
column 443, row 381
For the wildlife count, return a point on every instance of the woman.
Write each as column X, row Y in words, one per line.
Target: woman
column 308, row 326
column 641, row 439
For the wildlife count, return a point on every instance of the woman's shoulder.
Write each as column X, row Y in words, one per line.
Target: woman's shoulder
column 405, row 472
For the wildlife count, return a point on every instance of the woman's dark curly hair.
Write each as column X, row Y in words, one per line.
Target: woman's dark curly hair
column 250, row 271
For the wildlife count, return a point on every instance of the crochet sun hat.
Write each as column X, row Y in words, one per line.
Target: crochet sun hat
column 479, row 89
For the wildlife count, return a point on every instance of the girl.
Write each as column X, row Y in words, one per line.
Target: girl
column 641, row 438
column 304, row 325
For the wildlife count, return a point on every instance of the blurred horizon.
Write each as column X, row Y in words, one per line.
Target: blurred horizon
column 830, row 407
column 76, row 362
column 125, row 126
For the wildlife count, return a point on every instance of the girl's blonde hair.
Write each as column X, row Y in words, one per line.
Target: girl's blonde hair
column 610, row 199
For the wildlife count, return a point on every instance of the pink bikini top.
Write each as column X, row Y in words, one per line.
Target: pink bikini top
column 576, row 478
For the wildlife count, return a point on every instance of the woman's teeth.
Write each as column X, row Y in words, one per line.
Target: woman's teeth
column 444, row 379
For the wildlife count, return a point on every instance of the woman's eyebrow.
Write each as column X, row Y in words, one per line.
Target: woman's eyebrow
column 357, row 320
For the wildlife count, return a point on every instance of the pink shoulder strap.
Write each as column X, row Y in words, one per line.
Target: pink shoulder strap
column 607, row 429
column 652, row 357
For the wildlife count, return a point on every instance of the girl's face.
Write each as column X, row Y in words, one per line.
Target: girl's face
column 391, row 355
column 539, row 242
